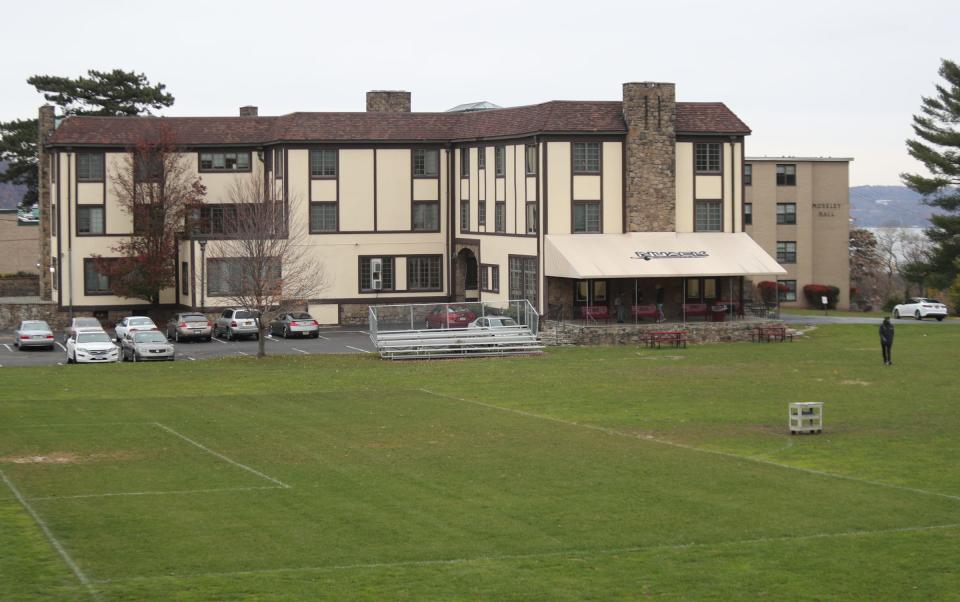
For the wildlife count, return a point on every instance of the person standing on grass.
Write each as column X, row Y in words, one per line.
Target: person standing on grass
column 886, row 341
column 620, row 308
column 660, row 317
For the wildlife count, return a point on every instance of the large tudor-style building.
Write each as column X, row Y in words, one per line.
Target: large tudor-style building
column 564, row 203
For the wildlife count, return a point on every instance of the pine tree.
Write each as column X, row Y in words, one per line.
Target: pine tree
column 18, row 148
column 937, row 146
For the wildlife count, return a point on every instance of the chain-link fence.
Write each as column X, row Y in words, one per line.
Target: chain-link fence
column 431, row 316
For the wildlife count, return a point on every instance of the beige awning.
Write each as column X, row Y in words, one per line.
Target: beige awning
column 656, row 255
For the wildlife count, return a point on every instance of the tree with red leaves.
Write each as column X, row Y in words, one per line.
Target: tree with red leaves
column 157, row 186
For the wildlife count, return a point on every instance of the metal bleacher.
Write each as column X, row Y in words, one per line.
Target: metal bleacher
column 399, row 344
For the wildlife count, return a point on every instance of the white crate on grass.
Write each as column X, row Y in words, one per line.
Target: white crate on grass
column 806, row 417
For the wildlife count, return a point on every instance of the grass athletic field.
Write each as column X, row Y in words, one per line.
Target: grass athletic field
column 598, row 474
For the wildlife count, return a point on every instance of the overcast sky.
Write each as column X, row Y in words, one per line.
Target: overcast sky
column 818, row 78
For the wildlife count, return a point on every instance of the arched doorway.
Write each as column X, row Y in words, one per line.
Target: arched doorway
column 465, row 284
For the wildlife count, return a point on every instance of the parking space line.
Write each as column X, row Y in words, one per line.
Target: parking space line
column 356, row 348
column 8, row 347
column 218, row 340
column 242, row 353
column 301, row 350
column 61, row 345
column 192, row 359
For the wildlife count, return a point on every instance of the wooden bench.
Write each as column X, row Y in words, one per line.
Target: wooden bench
column 765, row 334
column 696, row 309
column 644, row 311
column 595, row 312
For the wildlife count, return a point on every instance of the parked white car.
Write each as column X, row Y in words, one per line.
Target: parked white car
column 493, row 322
column 91, row 346
column 920, row 308
column 132, row 324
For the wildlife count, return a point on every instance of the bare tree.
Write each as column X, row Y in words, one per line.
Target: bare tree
column 887, row 249
column 263, row 259
column 156, row 185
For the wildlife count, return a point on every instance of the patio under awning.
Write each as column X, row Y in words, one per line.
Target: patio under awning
column 656, row 255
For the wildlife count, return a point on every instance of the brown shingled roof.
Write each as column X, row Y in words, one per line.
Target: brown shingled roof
column 553, row 116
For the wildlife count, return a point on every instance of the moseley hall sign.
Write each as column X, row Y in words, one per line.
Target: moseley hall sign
column 648, row 255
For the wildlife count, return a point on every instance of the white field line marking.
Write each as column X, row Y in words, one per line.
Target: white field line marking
column 301, row 351
column 724, row 454
column 218, row 340
column 137, row 493
column 63, row 424
column 8, row 348
column 80, row 575
column 223, row 457
column 356, row 349
column 557, row 554
column 61, row 345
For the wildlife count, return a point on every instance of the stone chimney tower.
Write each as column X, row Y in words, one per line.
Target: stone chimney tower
column 388, row 101
column 650, row 112
column 248, row 111
column 46, row 125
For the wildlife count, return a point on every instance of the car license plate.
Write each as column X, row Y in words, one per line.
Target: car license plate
column 197, row 330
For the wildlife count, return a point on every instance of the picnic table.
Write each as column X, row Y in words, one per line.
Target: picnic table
column 674, row 338
column 771, row 332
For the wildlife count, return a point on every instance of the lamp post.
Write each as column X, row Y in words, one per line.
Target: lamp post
column 203, row 275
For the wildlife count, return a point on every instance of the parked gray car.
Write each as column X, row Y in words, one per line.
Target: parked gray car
column 76, row 323
column 295, row 324
column 33, row 333
column 190, row 325
column 236, row 322
column 146, row 345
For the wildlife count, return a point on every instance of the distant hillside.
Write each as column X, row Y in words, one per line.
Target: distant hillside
column 877, row 206
column 10, row 195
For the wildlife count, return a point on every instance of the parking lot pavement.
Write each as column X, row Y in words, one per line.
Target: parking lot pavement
column 330, row 341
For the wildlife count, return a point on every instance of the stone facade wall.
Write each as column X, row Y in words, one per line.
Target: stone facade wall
column 354, row 313
column 20, row 286
column 650, row 111
column 697, row 332
column 47, row 120
column 388, row 101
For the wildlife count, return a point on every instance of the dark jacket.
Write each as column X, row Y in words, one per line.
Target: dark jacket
column 660, row 296
column 886, row 333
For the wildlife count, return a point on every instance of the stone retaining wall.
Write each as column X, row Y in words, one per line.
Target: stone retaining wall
column 20, row 286
column 633, row 334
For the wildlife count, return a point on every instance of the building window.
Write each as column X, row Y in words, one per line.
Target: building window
column 586, row 216
column 323, row 163
column 424, row 273
column 500, row 216
column 53, row 219
column 531, row 215
column 481, row 213
column 464, row 162
column 523, row 278
column 786, row 213
column 481, row 157
column 213, row 220
column 786, row 251
column 90, row 167
column 465, row 216
column 786, row 175
column 708, row 216
column 278, row 163
column 148, row 167
column 586, row 157
column 531, row 159
column 426, row 216
column 707, row 157
column 90, row 219
column 231, row 276
column 748, row 175
column 590, row 292
column 747, row 214
column 426, row 163
column 791, row 293
column 53, row 273
column 376, row 271
column 500, row 160
column 693, row 290
column 239, row 161
column 490, row 278
column 323, row 217
column 94, row 283
column 53, row 168
column 184, row 278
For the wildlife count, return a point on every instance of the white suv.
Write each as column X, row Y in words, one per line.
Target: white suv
column 91, row 346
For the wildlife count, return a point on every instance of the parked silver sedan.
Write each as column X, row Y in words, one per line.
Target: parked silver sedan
column 76, row 323
column 190, row 325
column 33, row 333
column 295, row 324
column 146, row 345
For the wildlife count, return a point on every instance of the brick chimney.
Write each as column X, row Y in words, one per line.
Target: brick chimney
column 248, row 111
column 47, row 121
column 650, row 112
column 388, row 101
